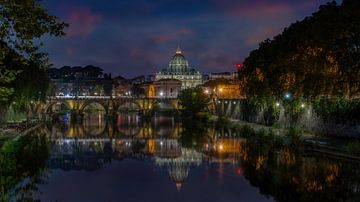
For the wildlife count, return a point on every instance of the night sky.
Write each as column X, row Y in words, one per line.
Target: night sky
column 138, row 37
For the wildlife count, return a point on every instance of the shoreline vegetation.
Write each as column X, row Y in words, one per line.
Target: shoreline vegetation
column 311, row 142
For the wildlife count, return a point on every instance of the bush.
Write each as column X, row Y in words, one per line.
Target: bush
column 354, row 147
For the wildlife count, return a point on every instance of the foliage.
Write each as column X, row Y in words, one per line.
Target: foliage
column 193, row 102
column 252, row 106
column 313, row 57
column 22, row 64
column 339, row 110
column 22, row 158
column 354, row 147
column 137, row 91
column 97, row 89
column 13, row 116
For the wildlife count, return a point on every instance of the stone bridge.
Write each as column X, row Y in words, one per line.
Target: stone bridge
column 110, row 104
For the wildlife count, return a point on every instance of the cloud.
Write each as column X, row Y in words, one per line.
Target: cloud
column 82, row 22
column 218, row 61
column 173, row 36
column 261, row 10
column 260, row 34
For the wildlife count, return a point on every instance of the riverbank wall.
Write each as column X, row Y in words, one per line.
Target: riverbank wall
column 278, row 117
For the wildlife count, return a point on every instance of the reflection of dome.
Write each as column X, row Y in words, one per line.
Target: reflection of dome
column 178, row 63
column 178, row 173
column 179, row 167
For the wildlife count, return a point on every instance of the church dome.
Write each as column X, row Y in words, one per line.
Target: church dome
column 178, row 63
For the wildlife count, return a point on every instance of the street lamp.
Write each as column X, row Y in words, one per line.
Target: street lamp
column 287, row 96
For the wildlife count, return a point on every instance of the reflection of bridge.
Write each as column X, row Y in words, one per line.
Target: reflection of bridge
column 110, row 104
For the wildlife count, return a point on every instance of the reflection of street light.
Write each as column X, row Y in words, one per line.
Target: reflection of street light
column 221, row 147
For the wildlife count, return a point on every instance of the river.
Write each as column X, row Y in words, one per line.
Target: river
column 163, row 159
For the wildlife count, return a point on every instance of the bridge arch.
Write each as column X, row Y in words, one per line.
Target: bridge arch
column 59, row 103
column 95, row 105
column 128, row 105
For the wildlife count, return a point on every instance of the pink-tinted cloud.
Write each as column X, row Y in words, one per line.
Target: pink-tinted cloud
column 218, row 61
column 261, row 10
column 260, row 34
column 82, row 22
column 257, row 9
column 173, row 36
column 69, row 51
column 149, row 58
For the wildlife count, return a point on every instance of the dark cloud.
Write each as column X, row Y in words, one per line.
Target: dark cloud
column 139, row 36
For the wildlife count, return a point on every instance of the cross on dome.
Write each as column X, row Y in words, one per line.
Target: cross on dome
column 178, row 50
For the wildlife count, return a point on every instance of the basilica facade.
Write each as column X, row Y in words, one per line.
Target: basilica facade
column 179, row 69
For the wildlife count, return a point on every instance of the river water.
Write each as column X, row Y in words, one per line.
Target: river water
column 162, row 159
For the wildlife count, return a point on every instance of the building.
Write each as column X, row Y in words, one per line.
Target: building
column 168, row 88
column 121, row 86
column 179, row 69
column 165, row 88
column 223, row 89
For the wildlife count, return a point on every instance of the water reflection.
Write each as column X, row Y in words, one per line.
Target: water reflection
column 218, row 163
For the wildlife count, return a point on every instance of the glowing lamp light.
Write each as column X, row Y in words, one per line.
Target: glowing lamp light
column 207, row 91
column 302, row 105
column 161, row 93
column 161, row 143
column 287, row 96
column 277, row 104
column 239, row 66
column 220, row 89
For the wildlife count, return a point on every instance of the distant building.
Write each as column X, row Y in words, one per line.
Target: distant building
column 166, row 88
column 121, row 86
column 223, row 75
column 223, row 88
column 138, row 80
column 179, row 69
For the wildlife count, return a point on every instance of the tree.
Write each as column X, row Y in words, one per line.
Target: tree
column 193, row 102
column 314, row 57
column 23, row 21
column 137, row 91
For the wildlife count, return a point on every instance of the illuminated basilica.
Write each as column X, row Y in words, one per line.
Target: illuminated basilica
column 179, row 69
